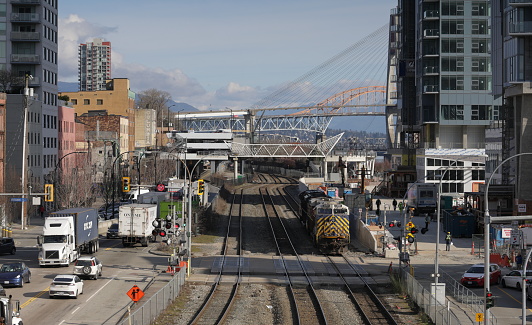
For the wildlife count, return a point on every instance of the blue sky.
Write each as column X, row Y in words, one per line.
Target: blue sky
column 215, row 54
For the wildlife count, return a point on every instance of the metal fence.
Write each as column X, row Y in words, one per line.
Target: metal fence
column 146, row 313
column 443, row 310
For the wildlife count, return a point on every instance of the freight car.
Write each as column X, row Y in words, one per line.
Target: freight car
column 328, row 223
column 304, row 199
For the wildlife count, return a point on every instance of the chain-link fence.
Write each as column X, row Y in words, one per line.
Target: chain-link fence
column 443, row 310
column 146, row 313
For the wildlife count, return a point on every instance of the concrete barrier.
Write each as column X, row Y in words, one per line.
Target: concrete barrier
column 103, row 225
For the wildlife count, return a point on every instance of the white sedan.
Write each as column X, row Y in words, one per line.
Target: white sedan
column 66, row 285
column 515, row 278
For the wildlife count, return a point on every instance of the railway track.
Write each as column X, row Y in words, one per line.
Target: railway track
column 217, row 306
column 306, row 305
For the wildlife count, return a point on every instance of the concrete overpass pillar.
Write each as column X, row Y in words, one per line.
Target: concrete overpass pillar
column 235, row 162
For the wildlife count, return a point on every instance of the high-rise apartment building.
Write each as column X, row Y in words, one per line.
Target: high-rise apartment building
column 28, row 49
column 445, row 123
column 94, row 65
column 512, row 75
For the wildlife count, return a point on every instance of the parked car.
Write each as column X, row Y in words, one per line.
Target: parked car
column 66, row 285
column 7, row 246
column 88, row 266
column 15, row 274
column 474, row 276
column 515, row 278
column 112, row 231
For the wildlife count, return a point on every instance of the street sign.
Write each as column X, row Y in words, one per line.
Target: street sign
column 479, row 317
column 521, row 208
column 160, row 187
column 135, row 293
column 18, row 199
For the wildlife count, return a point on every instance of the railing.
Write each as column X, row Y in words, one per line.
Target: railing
column 25, row 58
column 25, row 17
column 146, row 313
column 444, row 311
column 25, row 36
column 520, row 27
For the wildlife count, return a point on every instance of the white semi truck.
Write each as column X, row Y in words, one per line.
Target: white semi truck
column 135, row 223
column 10, row 310
column 66, row 234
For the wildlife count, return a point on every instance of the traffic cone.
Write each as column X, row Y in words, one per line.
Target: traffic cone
column 473, row 248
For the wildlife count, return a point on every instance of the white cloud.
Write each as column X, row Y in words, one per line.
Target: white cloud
column 76, row 30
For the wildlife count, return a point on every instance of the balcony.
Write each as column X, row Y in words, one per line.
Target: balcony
column 25, row 58
column 430, row 70
column 431, row 14
column 430, row 89
column 520, row 3
column 26, row 2
column 22, row 17
column 431, row 33
column 25, row 36
column 520, row 28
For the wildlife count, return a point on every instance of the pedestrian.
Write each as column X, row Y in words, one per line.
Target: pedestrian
column 448, row 241
column 427, row 221
column 394, row 205
column 41, row 210
column 378, row 203
column 519, row 261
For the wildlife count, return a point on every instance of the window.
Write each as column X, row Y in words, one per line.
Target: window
column 479, row 45
column 480, row 112
column 99, row 102
column 452, row 83
column 452, row 45
column 74, row 101
column 478, row 175
column 86, row 102
column 452, row 27
column 452, row 112
column 480, row 8
column 479, row 27
column 480, row 83
column 452, row 8
column 480, row 65
column 452, row 64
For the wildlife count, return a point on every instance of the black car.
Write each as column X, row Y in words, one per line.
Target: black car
column 112, row 231
column 7, row 246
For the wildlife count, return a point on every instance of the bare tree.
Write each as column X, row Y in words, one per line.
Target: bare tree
column 75, row 187
column 155, row 99
column 8, row 79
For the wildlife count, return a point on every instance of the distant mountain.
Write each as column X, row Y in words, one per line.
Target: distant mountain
column 67, row 86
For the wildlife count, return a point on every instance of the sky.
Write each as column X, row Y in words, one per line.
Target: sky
column 215, row 54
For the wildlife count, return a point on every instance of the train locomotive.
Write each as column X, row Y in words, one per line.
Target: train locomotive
column 326, row 220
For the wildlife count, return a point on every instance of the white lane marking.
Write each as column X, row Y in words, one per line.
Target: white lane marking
column 75, row 310
column 94, row 294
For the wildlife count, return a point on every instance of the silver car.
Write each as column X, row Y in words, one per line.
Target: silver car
column 515, row 278
column 88, row 266
column 66, row 285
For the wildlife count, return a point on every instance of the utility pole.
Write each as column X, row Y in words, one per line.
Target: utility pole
column 27, row 93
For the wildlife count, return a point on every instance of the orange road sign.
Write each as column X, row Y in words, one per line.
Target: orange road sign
column 135, row 293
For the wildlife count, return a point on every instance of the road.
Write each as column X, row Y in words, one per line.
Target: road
column 103, row 301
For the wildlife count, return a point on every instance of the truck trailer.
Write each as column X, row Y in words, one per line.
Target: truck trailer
column 422, row 197
column 66, row 234
column 10, row 310
column 135, row 223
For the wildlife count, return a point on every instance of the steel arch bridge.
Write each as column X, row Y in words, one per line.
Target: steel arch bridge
column 361, row 101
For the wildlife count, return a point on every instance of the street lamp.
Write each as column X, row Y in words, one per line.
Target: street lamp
column 168, row 118
column 178, row 123
column 487, row 223
column 56, row 178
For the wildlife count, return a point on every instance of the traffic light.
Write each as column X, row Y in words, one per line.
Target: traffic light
column 413, row 230
column 201, row 186
column 125, row 184
column 391, row 224
column 489, row 300
column 410, row 238
column 49, row 190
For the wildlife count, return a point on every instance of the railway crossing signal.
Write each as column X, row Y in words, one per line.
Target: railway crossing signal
column 489, row 300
